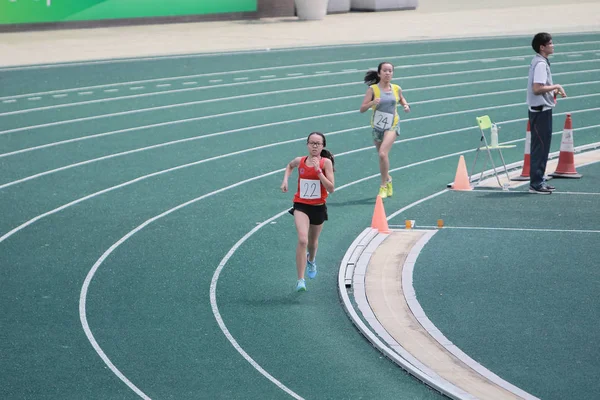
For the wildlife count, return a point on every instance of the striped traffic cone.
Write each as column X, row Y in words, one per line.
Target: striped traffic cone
column 566, row 157
column 526, row 157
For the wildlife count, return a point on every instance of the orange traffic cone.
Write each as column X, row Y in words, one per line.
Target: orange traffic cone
column 566, row 157
column 461, row 179
column 379, row 220
column 526, row 157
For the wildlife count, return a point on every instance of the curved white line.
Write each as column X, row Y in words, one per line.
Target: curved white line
column 219, row 319
column 35, row 176
column 89, row 276
column 138, row 179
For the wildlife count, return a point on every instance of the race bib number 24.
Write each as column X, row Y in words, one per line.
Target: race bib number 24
column 383, row 120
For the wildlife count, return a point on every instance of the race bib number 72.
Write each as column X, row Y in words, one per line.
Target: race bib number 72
column 310, row 189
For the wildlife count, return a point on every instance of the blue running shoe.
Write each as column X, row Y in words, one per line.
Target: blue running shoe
column 311, row 268
column 301, row 285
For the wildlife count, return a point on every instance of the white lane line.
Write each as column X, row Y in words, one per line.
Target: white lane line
column 324, row 72
column 245, row 111
column 84, row 93
column 216, row 80
column 189, row 83
column 214, row 280
column 136, row 88
column 9, row 101
column 83, row 295
column 12, row 232
column 241, row 78
column 111, row 90
column 483, row 228
column 242, row 52
column 575, row 55
column 90, row 275
column 163, row 85
column 350, row 70
column 34, row 98
column 219, row 318
column 268, row 76
column 322, row 63
column 558, row 193
column 403, row 79
column 187, row 139
column 422, row 137
column 295, row 74
column 70, row 121
column 94, row 343
column 231, row 252
column 58, row 96
column 491, row 60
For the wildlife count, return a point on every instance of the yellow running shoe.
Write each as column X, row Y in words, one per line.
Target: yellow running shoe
column 383, row 192
column 390, row 189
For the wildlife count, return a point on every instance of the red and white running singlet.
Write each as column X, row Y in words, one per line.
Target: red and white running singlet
column 310, row 189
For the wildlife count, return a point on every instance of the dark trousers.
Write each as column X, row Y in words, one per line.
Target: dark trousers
column 541, row 137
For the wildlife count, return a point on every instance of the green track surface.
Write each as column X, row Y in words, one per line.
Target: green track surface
column 527, row 311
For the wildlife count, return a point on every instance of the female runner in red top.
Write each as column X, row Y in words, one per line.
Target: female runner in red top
column 315, row 181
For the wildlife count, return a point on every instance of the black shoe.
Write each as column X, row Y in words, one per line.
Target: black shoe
column 549, row 187
column 540, row 190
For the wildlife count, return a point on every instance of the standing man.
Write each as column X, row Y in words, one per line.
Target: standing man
column 541, row 93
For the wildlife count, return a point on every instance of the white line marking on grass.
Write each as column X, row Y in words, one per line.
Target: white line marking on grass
column 163, row 85
column 84, row 93
column 216, row 80
column 295, row 74
column 575, row 55
column 9, row 101
column 111, row 90
column 189, row 83
column 491, row 60
column 136, row 88
column 34, row 98
column 58, row 96
column 242, row 78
